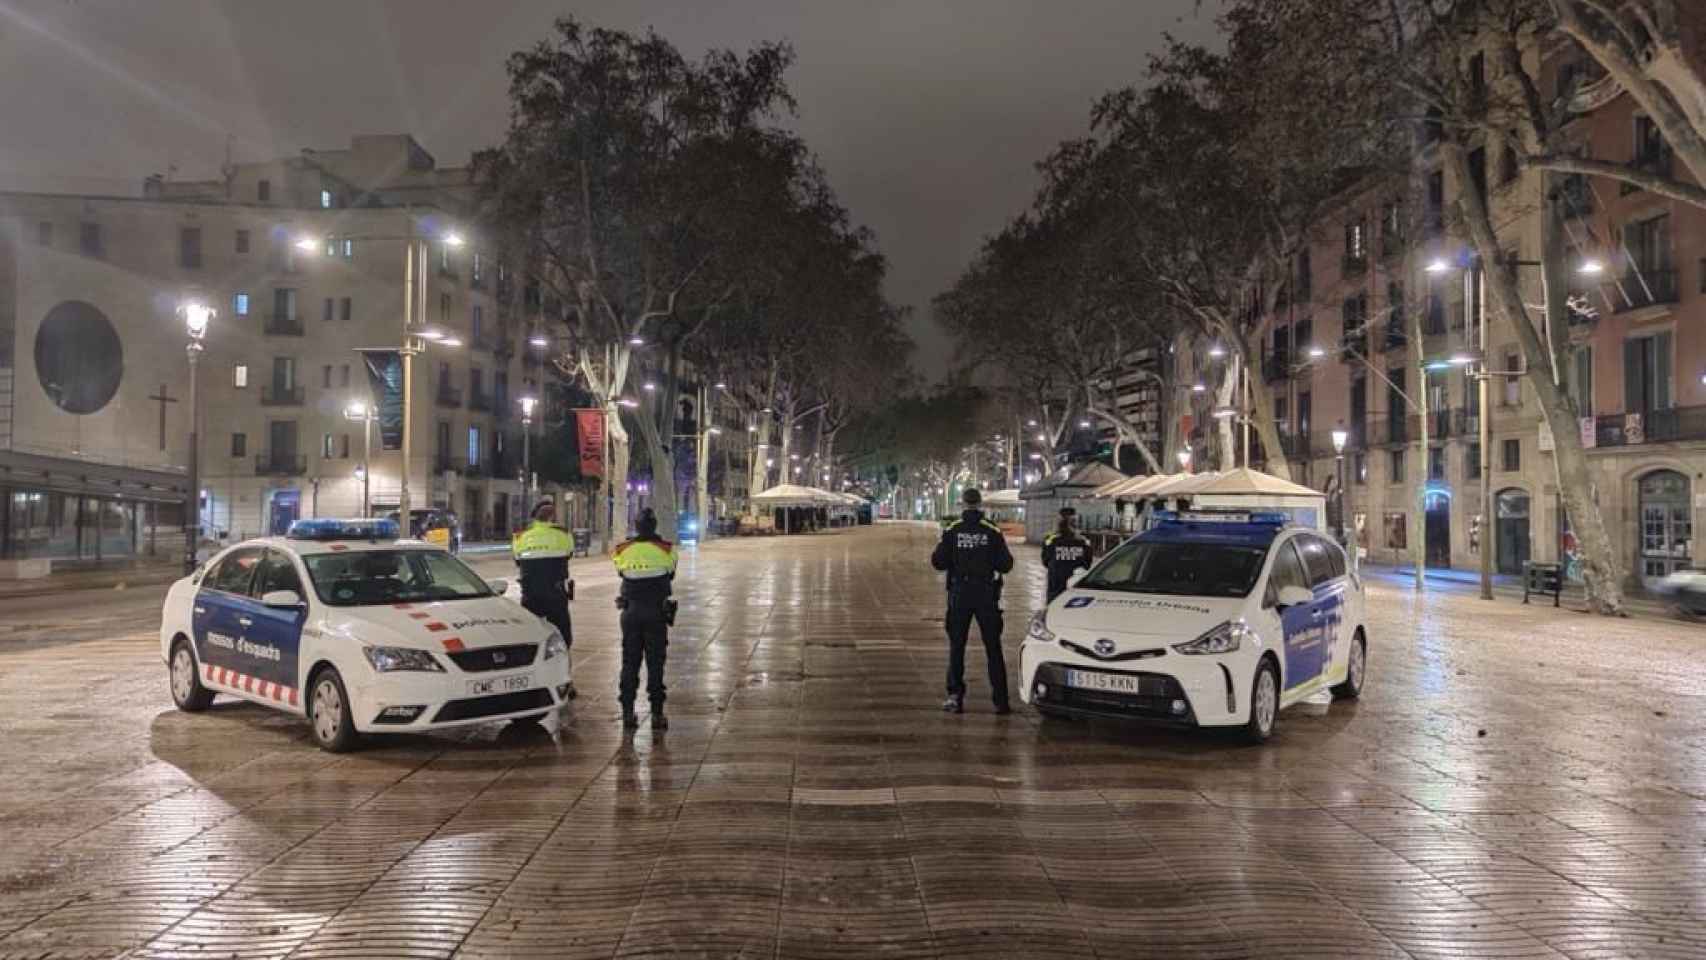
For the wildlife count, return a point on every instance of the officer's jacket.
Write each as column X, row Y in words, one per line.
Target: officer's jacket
column 542, row 554
column 1064, row 554
column 646, row 566
column 974, row 554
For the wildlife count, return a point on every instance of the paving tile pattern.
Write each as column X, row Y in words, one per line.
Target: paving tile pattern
column 1517, row 783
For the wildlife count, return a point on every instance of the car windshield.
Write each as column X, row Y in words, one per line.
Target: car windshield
column 370, row 577
column 1185, row 569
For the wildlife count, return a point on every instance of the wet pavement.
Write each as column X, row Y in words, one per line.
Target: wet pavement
column 1516, row 782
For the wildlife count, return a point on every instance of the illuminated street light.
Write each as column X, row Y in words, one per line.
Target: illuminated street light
column 636, row 341
column 648, row 385
column 721, row 385
column 1438, row 266
column 1217, row 351
column 628, row 402
column 1083, row 424
column 1042, row 438
column 1316, row 353
column 453, row 239
column 1591, row 268
column 1462, row 359
column 1030, row 423
column 1340, row 437
column 1185, row 459
column 1225, row 413
column 306, row 244
column 1199, row 388
column 539, row 340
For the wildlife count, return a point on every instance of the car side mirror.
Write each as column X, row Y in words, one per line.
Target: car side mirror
column 498, row 585
column 1293, row 596
column 282, row 598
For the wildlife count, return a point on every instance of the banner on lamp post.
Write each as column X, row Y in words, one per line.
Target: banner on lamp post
column 589, row 431
column 385, row 378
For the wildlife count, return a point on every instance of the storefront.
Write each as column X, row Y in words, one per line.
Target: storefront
column 71, row 514
column 1666, row 525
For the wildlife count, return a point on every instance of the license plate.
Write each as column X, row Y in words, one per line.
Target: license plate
column 1108, row 682
column 479, row 688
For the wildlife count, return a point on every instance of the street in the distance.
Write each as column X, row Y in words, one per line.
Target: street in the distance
column 1509, row 784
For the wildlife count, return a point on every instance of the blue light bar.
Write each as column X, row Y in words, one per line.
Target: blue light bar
column 1264, row 518
column 325, row 528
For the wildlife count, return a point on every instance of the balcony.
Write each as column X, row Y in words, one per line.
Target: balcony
column 502, row 408
column 1389, row 431
column 1296, row 447
column 480, row 401
column 1392, row 246
column 1353, row 345
column 443, row 462
column 1276, row 366
column 1656, row 426
column 481, row 342
column 1645, row 288
column 279, row 395
column 283, row 325
column 1354, row 265
column 281, row 464
column 448, row 396
column 503, row 347
column 1392, row 337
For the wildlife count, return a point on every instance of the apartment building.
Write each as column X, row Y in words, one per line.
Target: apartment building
column 304, row 261
column 1339, row 352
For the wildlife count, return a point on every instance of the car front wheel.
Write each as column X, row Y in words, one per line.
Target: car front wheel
column 1264, row 703
column 1354, row 670
column 329, row 714
column 187, row 691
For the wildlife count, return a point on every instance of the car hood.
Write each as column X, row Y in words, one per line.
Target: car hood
column 473, row 624
column 1078, row 614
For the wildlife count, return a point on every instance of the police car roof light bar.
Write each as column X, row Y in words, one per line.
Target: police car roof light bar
column 326, row 528
column 1264, row 518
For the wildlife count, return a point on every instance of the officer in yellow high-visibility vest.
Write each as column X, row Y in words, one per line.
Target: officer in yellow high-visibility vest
column 542, row 555
column 647, row 567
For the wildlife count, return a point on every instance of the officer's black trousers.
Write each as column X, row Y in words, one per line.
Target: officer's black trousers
column 988, row 617
column 645, row 636
column 553, row 609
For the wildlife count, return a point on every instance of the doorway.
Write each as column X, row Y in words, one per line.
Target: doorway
column 1511, row 535
column 1666, row 525
column 1439, row 529
column 286, row 507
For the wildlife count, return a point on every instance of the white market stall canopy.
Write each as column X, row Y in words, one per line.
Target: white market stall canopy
column 1247, row 489
column 793, row 495
column 1002, row 498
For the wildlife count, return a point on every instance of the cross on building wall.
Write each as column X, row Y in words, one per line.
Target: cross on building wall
column 164, row 398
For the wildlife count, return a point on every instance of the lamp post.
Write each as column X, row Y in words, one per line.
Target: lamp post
column 1185, row 459
column 527, row 401
column 363, row 414
column 1340, row 437
column 197, row 316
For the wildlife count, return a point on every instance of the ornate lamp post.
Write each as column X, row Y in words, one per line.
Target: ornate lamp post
column 363, row 414
column 1340, row 437
column 196, row 316
column 528, row 402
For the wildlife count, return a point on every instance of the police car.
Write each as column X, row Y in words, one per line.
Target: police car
column 1207, row 619
column 359, row 632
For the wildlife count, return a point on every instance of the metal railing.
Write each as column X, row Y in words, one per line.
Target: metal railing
column 279, row 395
column 1645, row 288
column 480, row 400
column 1391, row 337
column 1654, row 426
column 447, row 396
column 271, row 464
column 1389, row 430
column 283, row 325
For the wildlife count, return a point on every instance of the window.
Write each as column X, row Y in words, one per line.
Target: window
column 476, row 320
column 343, row 446
column 1288, row 571
column 1359, row 468
column 284, row 304
column 378, row 578
column 1305, row 276
column 474, row 269
column 473, row 446
column 1356, row 244
column 340, row 248
column 1436, row 463
column 1397, row 531
column 1478, row 76
column 327, row 310
column 326, row 445
column 1649, row 245
column 1478, row 171
column 240, row 304
column 444, row 309
column 284, row 373
column 444, row 257
column 443, row 440
column 263, row 191
column 1512, row 455
column 242, row 241
column 44, row 233
column 343, row 375
column 239, row 444
column 1581, row 380
column 89, row 238
column 1397, row 467
column 326, row 376
column 235, row 572
column 1647, row 373
column 1472, row 462
column 346, row 309
column 1650, row 149
column 240, row 375
column 1513, row 384
column 1315, row 560
column 325, row 199
column 277, row 573
column 1181, row 569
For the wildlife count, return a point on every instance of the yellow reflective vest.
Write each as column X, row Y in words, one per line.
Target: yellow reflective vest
column 644, row 559
column 542, row 541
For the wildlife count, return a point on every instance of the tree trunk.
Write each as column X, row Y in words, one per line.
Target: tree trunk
column 1262, row 410
column 1125, row 428
column 1419, row 516
column 1600, row 569
column 1225, row 428
column 618, row 469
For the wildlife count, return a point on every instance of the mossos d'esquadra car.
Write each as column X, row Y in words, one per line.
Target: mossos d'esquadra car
column 1207, row 619
column 359, row 632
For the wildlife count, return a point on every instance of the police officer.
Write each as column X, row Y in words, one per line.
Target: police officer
column 974, row 554
column 542, row 555
column 1064, row 552
column 646, row 565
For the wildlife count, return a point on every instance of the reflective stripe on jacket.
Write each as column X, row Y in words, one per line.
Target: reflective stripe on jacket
column 542, row 540
column 644, row 559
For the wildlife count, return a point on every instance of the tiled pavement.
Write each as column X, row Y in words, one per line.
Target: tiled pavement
column 1517, row 782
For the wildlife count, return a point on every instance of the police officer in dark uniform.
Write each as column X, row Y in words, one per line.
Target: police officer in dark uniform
column 974, row 554
column 1064, row 552
column 646, row 565
column 542, row 556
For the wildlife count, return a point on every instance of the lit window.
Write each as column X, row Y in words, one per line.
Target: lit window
column 326, row 199
column 240, row 375
column 240, row 304
column 473, row 446
column 348, row 249
column 326, row 445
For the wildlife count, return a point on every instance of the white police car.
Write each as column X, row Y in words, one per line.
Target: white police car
column 1208, row 619
column 360, row 632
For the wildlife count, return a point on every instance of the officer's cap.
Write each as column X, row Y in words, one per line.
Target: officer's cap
column 543, row 506
column 1068, row 512
column 971, row 497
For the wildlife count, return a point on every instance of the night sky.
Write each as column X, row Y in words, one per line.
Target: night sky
column 928, row 114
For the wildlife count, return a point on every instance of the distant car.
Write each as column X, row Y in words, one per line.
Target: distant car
column 359, row 632
column 1207, row 620
column 1685, row 589
column 434, row 525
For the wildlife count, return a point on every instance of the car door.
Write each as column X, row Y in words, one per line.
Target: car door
column 272, row 636
column 215, row 612
column 1327, row 582
column 1300, row 642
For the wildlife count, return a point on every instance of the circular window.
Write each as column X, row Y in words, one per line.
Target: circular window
column 79, row 359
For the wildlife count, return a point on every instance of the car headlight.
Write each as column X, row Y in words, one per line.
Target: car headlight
column 1038, row 631
column 392, row 659
column 554, row 646
column 1225, row 638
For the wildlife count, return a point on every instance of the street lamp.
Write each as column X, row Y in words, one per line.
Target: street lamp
column 528, row 402
column 1340, row 437
column 363, row 413
column 197, row 316
column 1185, row 459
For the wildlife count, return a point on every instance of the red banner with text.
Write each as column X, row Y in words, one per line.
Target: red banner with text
column 589, row 430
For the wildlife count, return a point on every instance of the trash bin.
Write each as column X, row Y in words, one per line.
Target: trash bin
column 1541, row 579
column 583, row 541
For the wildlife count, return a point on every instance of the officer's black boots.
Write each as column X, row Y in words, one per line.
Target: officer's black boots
column 954, row 704
column 629, row 720
column 659, row 721
column 1003, row 710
